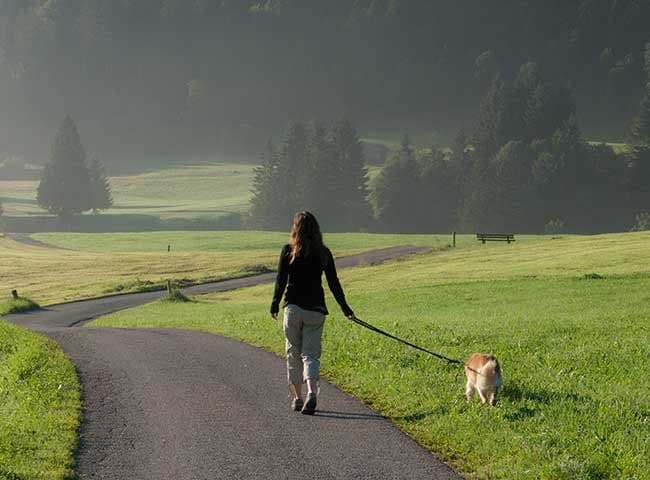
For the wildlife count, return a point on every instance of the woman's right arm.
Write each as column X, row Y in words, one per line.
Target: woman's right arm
column 280, row 281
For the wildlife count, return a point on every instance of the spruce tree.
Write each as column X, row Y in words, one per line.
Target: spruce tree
column 492, row 117
column 353, row 178
column 65, row 187
column 293, row 167
column 395, row 192
column 641, row 126
column 323, row 193
column 267, row 198
column 102, row 199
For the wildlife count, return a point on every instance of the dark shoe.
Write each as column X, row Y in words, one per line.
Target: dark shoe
column 296, row 404
column 310, row 405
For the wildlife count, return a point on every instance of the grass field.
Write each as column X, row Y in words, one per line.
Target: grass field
column 40, row 407
column 210, row 190
column 568, row 319
column 101, row 264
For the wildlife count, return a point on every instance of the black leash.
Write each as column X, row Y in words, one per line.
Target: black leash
column 360, row 322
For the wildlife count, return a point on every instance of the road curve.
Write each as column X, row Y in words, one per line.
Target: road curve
column 172, row 404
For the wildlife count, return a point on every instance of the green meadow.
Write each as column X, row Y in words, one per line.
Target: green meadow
column 568, row 318
column 94, row 265
column 40, row 407
column 199, row 191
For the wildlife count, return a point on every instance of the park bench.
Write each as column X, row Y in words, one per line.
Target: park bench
column 495, row 237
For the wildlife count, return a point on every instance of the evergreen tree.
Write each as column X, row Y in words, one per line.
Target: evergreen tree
column 323, row 195
column 641, row 125
column 267, row 202
column 475, row 211
column 353, row 179
column 65, row 188
column 102, row 199
column 512, row 169
column 438, row 194
column 492, row 117
column 293, row 169
column 395, row 192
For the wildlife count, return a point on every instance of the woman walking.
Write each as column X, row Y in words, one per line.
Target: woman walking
column 302, row 262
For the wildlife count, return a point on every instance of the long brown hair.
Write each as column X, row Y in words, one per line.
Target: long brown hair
column 306, row 238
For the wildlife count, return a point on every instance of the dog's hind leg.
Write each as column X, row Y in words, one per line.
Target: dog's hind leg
column 469, row 391
column 481, row 394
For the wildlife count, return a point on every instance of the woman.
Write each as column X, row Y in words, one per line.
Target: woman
column 301, row 265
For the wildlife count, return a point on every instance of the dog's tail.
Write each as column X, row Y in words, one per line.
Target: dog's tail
column 492, row 369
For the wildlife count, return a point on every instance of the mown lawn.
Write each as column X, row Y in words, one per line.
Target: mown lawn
column 567, row 318
column 40, row 407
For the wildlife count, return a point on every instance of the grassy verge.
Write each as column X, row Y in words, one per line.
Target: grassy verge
column 19, row 305
column 573, row 346
column 40, row 407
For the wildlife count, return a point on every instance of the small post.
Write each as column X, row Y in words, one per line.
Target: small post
column 454, row 239
column 169, row 248
column 14, row 294
column 169, row 287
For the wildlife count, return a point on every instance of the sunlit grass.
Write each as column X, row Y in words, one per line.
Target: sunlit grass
column 40, row 407
column 101, row 264
column 210, row 190
column 573, row 346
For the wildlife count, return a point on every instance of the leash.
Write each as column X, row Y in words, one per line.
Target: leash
column 363, row 324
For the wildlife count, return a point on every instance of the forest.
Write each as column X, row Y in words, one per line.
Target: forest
column 165, row 76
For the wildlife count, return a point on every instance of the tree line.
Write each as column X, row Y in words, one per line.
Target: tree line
column 213, row 70
column 526, row 168
column 316, row 168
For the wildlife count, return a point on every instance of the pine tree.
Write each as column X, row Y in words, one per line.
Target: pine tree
column 395, row 192
column 102, row 199
column 293, row 167
column 641, row 126
column 353, row 178
column 266, row 205
column 65, row 188
column 323, row 195
column 491, row 130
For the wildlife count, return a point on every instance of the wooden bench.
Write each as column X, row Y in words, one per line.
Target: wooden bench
column 495, row 237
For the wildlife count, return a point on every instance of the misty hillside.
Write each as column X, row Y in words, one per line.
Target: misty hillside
column 160, row 76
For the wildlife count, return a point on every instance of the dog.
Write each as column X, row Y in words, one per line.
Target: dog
column 483, row 376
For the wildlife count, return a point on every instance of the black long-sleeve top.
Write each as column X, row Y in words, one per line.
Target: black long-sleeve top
column 302, row 280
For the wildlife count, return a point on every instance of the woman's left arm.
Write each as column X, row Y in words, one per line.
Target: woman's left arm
column 335, row 285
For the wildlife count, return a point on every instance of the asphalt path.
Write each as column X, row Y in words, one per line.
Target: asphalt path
column 172, row 404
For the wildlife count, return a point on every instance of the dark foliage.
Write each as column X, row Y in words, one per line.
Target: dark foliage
column 213, row 72
column 316, row 169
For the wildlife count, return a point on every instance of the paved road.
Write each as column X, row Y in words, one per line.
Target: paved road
column 171, row 404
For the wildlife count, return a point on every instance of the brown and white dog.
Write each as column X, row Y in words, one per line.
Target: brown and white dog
column 483, row 376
